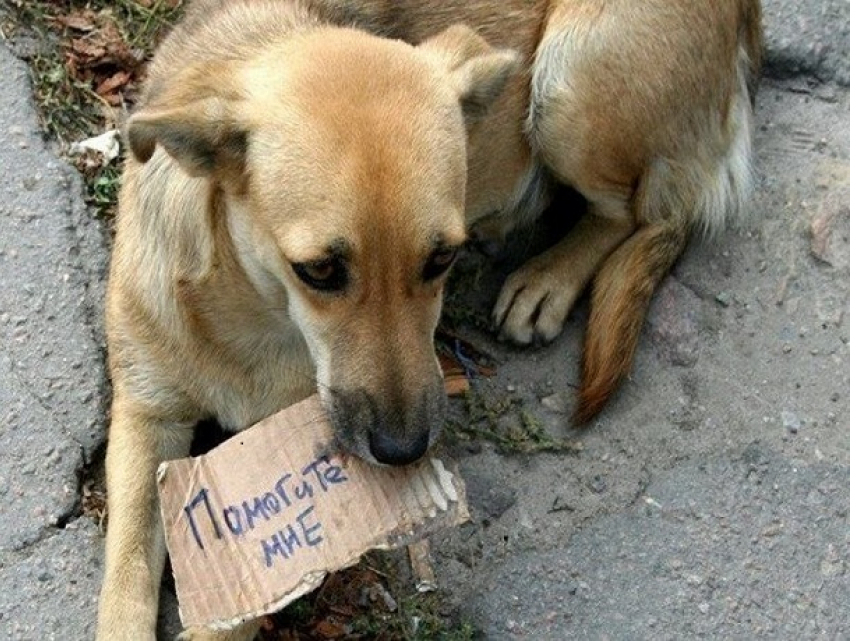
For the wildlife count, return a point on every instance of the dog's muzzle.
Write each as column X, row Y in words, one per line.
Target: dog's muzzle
column 391, row 433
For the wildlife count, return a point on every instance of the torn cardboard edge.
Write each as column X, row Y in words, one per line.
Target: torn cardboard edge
column 262, row 519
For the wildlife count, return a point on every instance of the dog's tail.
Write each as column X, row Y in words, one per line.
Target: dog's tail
column 621, row 294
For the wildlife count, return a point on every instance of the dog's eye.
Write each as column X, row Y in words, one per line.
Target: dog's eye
column 439, row 262
column 328, row 275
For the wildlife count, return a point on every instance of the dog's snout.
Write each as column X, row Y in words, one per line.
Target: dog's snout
column 388, row 433
column 391, row 451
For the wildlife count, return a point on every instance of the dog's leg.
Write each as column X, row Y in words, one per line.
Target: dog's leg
column 535, row 299
column 135, row 543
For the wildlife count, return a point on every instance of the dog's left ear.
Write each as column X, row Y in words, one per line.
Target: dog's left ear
column 477, row 71
column 199, row 136
column 195, row 121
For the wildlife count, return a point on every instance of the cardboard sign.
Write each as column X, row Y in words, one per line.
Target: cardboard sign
column 260, row 520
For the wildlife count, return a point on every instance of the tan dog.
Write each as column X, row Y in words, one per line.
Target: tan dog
column 302, row 174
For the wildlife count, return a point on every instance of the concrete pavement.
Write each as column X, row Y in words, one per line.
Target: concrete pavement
column 52, row 385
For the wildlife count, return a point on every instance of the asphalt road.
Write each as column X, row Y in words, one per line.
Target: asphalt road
column 710, row 500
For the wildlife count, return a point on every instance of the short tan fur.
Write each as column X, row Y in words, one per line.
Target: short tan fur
column 303, row 172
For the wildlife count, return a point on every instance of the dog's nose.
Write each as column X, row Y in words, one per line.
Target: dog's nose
column 389, row 451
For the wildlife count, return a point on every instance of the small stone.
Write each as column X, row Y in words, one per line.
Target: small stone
column 835, row 397
column 380, row 593
column 598, row 484
column 786, row 349
column 829, row 306
column 790, row 421
column 491, row 498
column 673, row 323
column 704, row 608
column 474, row 447
column 556, row 402
column 791, row 306
column 832, row 564
column 829, row 230
column 724, row 299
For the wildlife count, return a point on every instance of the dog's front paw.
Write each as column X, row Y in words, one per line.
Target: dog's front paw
column 534, row 303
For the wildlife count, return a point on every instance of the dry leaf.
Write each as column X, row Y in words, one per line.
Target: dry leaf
column 79, row 20
column 822, row 227
column 456, row 385
column 87, row 51
column 328, row 629
column 112, row 83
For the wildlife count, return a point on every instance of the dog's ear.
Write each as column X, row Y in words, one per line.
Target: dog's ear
column 195, row 123
column 477, row 71
column 200, row 136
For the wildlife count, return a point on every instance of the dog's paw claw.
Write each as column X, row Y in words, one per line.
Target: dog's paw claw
column 532, row 306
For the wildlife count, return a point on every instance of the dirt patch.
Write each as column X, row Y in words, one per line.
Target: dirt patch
column 87, row 63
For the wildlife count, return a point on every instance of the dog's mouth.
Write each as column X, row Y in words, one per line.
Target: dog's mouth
column 383, row 434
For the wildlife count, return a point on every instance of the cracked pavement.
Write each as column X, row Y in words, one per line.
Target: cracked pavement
column 710, row 498
column 52, row 384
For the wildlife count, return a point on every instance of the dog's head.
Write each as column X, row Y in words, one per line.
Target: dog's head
column 342, row 158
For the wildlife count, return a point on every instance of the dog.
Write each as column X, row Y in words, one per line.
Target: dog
column 303, row 173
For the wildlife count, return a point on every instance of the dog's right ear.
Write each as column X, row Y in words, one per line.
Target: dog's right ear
column 195, row 123
column 477, row 71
